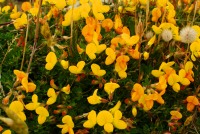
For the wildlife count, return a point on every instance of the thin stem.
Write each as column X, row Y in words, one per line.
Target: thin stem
column 36, row 37
column 24, row 50
column 195, row 11
column 71, row 39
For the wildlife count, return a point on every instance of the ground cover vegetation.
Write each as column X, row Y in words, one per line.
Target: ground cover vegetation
column 92, row 66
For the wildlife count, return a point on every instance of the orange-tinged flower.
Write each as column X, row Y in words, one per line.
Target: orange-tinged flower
column 156, row 14
column 51, row 60
column 88, row 32
column 68, row 125
column 92, row 120
column 66, row 89
column 94, row 99
column 28, row 86
column 26, row 6
column 134, row 53
column 192, row 102
column 122, row 61
column 147, row 101
column 52, row 84
column 20, row 75
column 107, row 24
column 118, row 24
column 186, row 74
column 79, row 49
column 137, row 92
column 110, row 87
column 42, row 114
column 175, row 115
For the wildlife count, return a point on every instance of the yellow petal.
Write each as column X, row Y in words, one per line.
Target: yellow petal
column 108, row 127
column 64, row 64
column 51, row 60
column 104, row 117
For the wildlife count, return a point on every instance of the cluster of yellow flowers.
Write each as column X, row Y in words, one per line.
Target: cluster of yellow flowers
column 125, row 47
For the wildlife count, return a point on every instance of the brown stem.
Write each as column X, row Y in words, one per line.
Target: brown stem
column 36, row 37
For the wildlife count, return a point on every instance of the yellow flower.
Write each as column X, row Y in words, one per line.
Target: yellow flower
column 91, row 49
column 117, row 122
column 17, row 107
column 68, row 125
column 34, row 104
column 186, row 74
column 34, row 11
column 110, row 87
column 151, row 41
column 78, row 69
column 6, row 132
column 94, row 99
column 195, row 49
column 66, row 89
column 84, row 10
column 130, row 41
column 20, row 22
column 192, row 102
column 175, row 115
column 137, row 92
column 105, row 118
column 5, row 9
column 28, row 86
column 111, row 56
column 15, row 14
column 115, row 108
column 97, row 70
column 60, row 4
column 64, row 63
column 173, row 80
column 92, row 120
column 134, row 111
column 52, row 96
column 43, row 114
column 1, row 1
column 51, row 60
column 146, row 55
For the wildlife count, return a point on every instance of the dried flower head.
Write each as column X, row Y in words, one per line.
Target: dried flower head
column 148, row 35
column 167, row 35
column 188, row 34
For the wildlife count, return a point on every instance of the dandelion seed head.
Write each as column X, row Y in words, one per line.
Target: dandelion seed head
column 188, row 34
column 166, row 35
column 148, row 35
